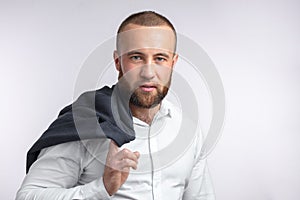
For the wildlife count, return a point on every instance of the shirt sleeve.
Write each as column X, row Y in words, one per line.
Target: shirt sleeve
column 199, row 186
column 55, row 174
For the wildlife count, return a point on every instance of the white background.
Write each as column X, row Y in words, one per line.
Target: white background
column 254, row 44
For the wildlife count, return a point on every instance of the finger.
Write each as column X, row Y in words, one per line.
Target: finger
column 126, row 154
column 126, row 169
column 127, row 163
column 137, row 154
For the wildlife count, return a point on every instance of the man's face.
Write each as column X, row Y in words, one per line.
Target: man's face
column 145, row 59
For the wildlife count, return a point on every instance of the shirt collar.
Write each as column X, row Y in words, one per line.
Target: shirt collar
column 164, row 111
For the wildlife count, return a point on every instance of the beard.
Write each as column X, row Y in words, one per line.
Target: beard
column 148, row 100
column 144, row 99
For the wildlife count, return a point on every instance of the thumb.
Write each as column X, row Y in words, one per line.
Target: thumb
column 113, row 147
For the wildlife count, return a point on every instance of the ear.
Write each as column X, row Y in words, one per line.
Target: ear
column 117, row 60
column 175, row 58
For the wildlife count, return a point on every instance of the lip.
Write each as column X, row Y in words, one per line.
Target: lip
column 148, row 87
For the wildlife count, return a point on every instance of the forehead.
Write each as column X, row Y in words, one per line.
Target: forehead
column 135, row 37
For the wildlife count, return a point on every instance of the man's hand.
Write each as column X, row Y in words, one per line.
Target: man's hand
column 117, row 167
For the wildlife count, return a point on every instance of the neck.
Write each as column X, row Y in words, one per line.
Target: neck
column 144, row 114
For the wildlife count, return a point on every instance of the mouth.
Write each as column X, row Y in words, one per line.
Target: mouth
column 147, row 87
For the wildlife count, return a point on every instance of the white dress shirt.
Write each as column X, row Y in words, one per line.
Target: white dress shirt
column 73, row 170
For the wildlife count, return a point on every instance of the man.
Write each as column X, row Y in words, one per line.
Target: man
column 98, row 168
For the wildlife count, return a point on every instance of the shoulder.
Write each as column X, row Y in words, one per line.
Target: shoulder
column 62, row 150
column 79, row 152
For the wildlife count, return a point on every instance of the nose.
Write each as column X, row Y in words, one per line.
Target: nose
column 147, row 71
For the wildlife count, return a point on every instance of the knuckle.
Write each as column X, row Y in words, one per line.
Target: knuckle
column 125, row 152
column 126, row 162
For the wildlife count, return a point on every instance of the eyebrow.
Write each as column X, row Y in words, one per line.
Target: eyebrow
column 162, row 54
column 134, row 52
column 140, row 53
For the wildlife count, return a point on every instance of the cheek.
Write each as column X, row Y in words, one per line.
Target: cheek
column 127, row 66
column 164, row 73
column 130, row 71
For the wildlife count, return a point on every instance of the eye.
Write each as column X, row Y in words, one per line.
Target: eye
column 160, row 59
column 136, row 58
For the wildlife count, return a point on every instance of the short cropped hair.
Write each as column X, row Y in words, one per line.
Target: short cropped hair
column 146, row 18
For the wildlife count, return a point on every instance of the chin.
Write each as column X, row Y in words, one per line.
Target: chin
column 146, row 99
